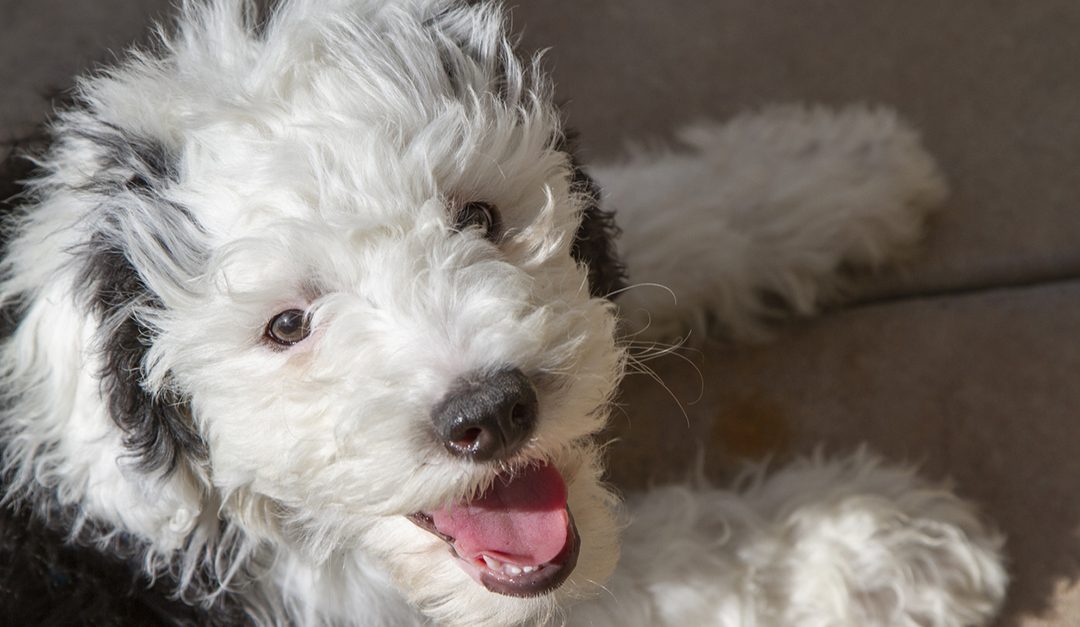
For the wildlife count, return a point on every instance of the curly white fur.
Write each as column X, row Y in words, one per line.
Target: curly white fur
column 779, row 201
column 310, row 164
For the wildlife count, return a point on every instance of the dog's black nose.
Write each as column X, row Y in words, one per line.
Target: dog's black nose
column 487, row 416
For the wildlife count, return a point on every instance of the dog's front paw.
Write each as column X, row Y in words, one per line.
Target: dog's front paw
column 829, row 543
column 861, row 543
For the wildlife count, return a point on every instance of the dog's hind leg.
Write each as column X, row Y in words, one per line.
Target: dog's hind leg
column 819, row 543
column 756, row 218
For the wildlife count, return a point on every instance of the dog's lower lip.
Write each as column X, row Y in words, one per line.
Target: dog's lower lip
column 546, row 578
column 543, row 579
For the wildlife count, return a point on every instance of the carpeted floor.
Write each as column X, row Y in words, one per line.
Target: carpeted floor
column 962, row 361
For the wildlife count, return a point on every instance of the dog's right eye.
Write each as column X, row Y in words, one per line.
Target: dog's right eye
column 288, row 327
column 481, row 215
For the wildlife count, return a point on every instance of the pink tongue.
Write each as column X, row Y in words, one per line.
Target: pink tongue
column 521, row 519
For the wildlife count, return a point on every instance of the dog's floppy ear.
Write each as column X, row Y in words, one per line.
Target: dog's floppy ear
column 138, row 245
column 594, row 242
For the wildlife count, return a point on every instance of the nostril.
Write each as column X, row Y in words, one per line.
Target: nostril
column 469, row 437
column 522, row 414
column 475, row 442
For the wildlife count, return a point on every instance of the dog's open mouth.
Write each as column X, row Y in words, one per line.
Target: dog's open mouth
column 517, row 538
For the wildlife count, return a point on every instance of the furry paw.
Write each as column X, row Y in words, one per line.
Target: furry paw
column 862, row 543
column 821, row 542
column 757, row 219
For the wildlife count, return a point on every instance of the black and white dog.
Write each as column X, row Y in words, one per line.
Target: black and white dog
column 314, row 327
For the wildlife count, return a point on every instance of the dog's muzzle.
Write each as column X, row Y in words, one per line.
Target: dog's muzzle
column 487, row 416
column 517, row 537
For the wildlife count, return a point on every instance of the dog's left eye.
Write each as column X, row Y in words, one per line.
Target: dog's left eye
column 481, row 215
column 288, row 327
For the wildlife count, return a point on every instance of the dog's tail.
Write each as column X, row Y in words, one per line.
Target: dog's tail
column 759, row 218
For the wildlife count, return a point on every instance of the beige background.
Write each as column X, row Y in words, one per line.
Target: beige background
column 964, row 362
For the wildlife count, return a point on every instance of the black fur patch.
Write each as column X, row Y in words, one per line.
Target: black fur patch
column 46, row 579
column 594, row 242
column 158, row 428
column 130, row 162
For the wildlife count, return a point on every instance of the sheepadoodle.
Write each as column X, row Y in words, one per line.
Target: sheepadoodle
column 316, row 316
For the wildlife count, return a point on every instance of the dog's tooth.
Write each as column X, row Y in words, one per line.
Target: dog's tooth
column 528, row 569
column 510, row 569
column 493, row 563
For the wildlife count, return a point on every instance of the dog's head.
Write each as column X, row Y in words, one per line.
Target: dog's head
column 346, row 280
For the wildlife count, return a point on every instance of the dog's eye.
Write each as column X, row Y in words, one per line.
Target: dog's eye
column 288, row 327
column 481, row 215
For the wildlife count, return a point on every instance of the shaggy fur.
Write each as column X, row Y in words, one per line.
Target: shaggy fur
column 322, row 159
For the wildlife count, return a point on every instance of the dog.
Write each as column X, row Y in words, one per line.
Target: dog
column 317, row 315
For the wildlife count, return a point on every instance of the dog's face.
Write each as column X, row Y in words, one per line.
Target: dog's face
column 346, row 257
